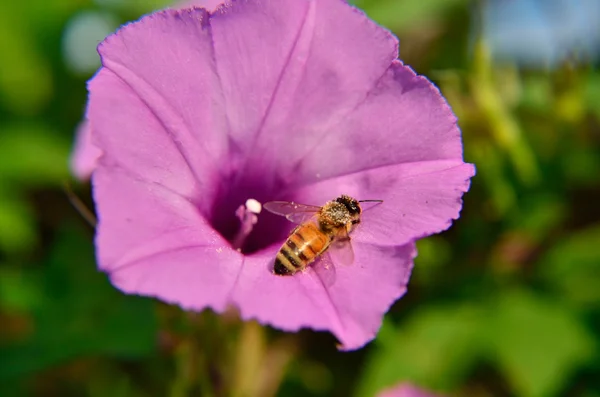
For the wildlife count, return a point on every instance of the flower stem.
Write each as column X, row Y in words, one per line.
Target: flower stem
column 259, row 366
column 185, row 369
column 250, row 356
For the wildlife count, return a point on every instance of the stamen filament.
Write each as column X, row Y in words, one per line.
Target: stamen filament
column 247, row 215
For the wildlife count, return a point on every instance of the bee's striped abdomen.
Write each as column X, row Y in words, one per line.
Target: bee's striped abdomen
column 303, row 246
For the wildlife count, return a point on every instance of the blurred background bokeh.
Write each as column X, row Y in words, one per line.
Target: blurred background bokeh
column 506, row 303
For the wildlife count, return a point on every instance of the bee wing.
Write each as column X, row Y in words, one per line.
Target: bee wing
column 325, row 270
column 294, row 212
column 341, row 250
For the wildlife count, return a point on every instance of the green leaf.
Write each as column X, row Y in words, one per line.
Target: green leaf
column 434, row 252
column 537, row 344
column 137, row 7
column 434, row 348
column 19, row 290
column 33, row 154
column 538, row 215
column 17, row 224
column 592, row 93
column 573, row 267
column 537, row 93
column 26, row 84
column 581, row 164
column 80, row 314
column 407, row 14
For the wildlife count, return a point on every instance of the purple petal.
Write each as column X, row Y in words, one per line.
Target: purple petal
column 292, row 69
column 85, row 154
column 409, row 155
column 419, row 198
column 351, row 307
column 406, row 390
column 161, row 129
column 210, row 5
column 153, row 242
column 403, row 119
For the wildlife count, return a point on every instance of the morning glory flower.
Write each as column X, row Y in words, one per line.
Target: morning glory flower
column 405, row 390
column 201, row 117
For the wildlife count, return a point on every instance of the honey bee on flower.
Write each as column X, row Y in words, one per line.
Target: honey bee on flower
column 320, row 229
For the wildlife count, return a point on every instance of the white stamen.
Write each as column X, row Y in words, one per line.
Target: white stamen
column 253, row 206
column 247, row 216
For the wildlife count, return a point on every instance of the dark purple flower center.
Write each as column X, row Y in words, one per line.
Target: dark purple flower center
column 231, row 195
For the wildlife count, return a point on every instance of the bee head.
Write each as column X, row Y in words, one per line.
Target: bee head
column 351, row 204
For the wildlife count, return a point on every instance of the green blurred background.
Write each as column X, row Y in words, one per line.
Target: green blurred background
column 506, row 303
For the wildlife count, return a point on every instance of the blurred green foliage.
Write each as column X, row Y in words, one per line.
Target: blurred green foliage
column 73, row 311
column 506, row 303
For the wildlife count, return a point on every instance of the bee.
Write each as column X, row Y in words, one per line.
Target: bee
column 319, row 229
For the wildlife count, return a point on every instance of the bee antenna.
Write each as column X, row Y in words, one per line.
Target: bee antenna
column 370, row 201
